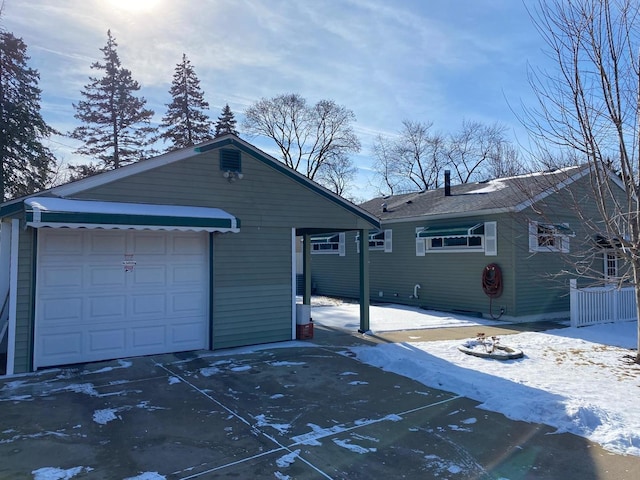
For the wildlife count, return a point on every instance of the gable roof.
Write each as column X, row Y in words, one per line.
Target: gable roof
column 228, row 140
column 509, row 194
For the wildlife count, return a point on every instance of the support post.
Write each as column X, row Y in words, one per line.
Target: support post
column 306, row 268
column 364, row 281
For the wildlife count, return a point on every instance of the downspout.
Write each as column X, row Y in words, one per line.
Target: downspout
column 416, row 287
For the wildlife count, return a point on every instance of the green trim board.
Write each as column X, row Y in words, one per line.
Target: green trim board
column 58, row 212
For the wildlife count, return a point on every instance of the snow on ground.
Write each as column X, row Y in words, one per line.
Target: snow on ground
column 390, row 317
column 578, row 380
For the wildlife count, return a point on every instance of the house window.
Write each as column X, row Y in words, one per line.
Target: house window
column 380, row 240
column 328, row 244
column 549, row 237
column 455, row 239
column 611, row 266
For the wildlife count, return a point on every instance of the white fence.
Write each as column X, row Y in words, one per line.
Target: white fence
column 606, row 304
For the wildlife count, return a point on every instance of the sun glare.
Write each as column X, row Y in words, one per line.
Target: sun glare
column 135, row 5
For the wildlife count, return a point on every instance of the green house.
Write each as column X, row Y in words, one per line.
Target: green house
column 504, row 248
column 194, row 249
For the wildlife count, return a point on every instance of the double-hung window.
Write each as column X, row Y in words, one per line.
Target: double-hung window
column 611, row 273
column 549, row 237
column 332, row 243
column 380, row 240
column 481, row 237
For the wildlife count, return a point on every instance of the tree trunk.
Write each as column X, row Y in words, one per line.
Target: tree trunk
column 636, row 279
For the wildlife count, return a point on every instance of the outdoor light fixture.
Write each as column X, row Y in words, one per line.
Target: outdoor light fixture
column 232, row 176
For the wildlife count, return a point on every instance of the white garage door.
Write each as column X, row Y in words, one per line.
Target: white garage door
column 104, row 294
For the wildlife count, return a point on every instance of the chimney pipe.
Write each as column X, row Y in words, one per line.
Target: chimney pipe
column 447, row 183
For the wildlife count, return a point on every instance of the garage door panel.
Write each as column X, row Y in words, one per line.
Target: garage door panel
column 66, row 243
column 186, row 274
column 187, row 333
column 149, row 336
column 146, row 275
column 106, row 342
column 61, row 346
column 183, row 244
column 91, row 308
column 61, row 277
column 104, row 243
column 107, row 308
column 188, row 304
column 150, row 304
column 150, row 244
column 58, row 311
column 101, row 276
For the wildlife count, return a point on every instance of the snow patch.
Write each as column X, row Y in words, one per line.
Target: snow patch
column 148, row 476
column 286, row 364
column 174, row 380
column 353, row 447
column 262, row 421
column 209, row 371
column 241, row 368
column 53, row 473
column 105, row 415
column 288, row 459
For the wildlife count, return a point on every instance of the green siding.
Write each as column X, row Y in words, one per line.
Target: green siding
column 263, row 197
column 252, row 269
column 536, row 284
column 252, row 287
column 24, row 304
column 448, row 280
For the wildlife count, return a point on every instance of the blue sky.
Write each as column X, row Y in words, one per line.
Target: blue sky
column 437, row 61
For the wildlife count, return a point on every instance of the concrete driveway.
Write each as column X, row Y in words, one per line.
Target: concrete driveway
column 304, row 411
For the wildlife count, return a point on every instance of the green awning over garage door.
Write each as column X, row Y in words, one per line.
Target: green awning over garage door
column 60, row 212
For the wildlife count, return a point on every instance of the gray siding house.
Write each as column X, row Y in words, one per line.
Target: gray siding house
column 440, row 249
column 194, row 249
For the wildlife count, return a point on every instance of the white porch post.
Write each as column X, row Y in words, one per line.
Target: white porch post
column 364, row 281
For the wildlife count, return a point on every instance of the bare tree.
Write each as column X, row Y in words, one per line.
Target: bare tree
column 385, row 165
column 415, row 159
column 590, row 104
column 411, row 161
column 310, row 138
column 476, row 151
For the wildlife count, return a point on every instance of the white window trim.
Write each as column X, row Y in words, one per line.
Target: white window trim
column 341, row 251
column 611, row 255
column 424, row 244
column 386, row 243
column 560, row 238
column 420, row 243
column 429, row 248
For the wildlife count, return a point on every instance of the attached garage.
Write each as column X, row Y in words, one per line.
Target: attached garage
column 120, row 279
column 151, row 258
column 96, row 303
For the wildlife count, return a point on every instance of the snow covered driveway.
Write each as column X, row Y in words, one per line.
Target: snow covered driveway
column 301, row 411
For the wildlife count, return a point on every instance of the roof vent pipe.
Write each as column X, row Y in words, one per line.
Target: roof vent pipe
column 447, row 183
column 384, row 207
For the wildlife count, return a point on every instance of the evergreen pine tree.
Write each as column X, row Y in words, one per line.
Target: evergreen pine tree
column 226, row 122
column 26, row 165
column 185, row 122
column 115, row 124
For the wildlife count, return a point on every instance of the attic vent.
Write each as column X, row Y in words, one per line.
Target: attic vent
column 409, row 202
column 230, row 160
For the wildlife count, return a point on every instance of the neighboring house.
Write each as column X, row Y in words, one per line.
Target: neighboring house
column 434, row 246
column 195, row 249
